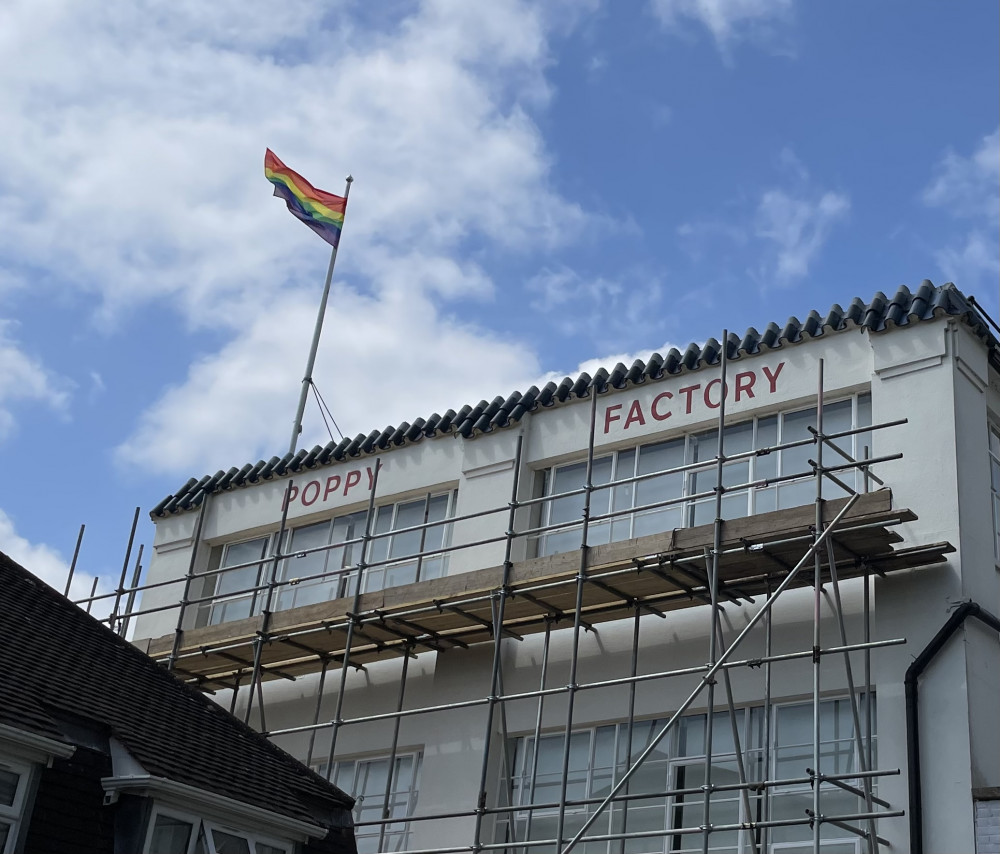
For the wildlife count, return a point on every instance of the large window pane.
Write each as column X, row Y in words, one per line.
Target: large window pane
column 366, row 781
column 347, row 529
column 228, row 843
column 170, row 835
column 239, row 582
column 994, row 460
column 313, row 590
column 8, row 786
column 653, row 458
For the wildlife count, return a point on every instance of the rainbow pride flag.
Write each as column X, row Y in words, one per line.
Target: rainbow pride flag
column 323, row 212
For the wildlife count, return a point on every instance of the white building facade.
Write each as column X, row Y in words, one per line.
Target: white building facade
column 532, row 654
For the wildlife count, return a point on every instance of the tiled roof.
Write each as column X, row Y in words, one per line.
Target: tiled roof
column 55, row 660
column 881, row 313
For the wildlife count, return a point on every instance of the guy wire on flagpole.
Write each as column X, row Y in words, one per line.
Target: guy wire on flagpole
column 307, row 379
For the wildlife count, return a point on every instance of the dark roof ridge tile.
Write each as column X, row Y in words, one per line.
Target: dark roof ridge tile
column 928, row 302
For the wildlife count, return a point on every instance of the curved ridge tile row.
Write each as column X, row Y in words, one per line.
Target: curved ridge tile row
column 881, row 313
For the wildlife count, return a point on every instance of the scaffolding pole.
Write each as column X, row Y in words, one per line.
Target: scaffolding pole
column 754, row 829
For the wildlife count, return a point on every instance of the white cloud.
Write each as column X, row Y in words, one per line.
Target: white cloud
column 404, row 360
column 42, row 560
column 134, row 138
column 134, row 151
column 776, row 234
column 797, row 226
column 729, row 21
column 967, row 189
column 24, row 378
column 969, row 186
column 611, row 311
column 968, row 262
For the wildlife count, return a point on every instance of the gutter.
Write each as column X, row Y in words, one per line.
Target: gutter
column 198, row 800
column 911, row 683
column 40, row 743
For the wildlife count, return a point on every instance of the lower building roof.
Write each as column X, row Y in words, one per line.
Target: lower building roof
column 58, row 663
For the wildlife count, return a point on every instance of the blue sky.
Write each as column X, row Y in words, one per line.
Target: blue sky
column 539, row 188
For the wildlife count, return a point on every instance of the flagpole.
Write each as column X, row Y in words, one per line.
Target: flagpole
column 310, row 363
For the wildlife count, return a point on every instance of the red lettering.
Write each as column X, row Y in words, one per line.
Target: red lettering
column 608, row 417
column 290, row 495
column 773, row 378
column 708, row 400
column 371, row 478
column 744, row 383
column 690, row 390
column 353, row 479
column 653, row 410
column 332, row 485
column 305, row 490
column 634, row 414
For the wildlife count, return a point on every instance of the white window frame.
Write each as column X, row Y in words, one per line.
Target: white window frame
column 180, row 815
column 398, row 838
column 752, row 732
column 13, row 815
column 217, row 605
column 993, row 456
column 202, row 827
column 339, row 585
column 625, row 463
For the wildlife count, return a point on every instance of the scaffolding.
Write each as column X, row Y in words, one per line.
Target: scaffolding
column 748, row 560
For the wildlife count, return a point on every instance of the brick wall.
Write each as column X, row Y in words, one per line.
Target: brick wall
column 988, row 827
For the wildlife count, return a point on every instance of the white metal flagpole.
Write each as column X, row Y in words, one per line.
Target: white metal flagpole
column 307, row 379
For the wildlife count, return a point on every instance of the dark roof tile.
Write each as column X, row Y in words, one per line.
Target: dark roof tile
column 927, row 303
column 56, row 659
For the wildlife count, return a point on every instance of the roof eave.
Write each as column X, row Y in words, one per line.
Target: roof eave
column 35, row 743
column 196, row 800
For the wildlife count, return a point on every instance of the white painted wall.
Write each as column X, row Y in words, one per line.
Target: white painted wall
column 933, row 373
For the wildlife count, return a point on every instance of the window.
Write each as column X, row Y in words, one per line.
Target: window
column 995, row 488
column 600, row 756
column 235, row 590
column 365, row 780
column 759, row 433
column 14, row 779
column 178, row 833
column 314, row 569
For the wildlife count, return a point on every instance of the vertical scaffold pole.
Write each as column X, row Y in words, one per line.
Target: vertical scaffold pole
column 390, row 772
column 713, row 583
column 869, row 725
column 709, row 674
column 319, row 706
column 738, row 747
column 537, row 735
column 581, row 579
column 630, row 721
column 767, row 723
column 265, row 623
column 817, row 816
column 132, row 588
column 188, row 581
column 352, row 618
column 866, row 781
column 120, row 589
column 72, row 563
column 498, row 619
